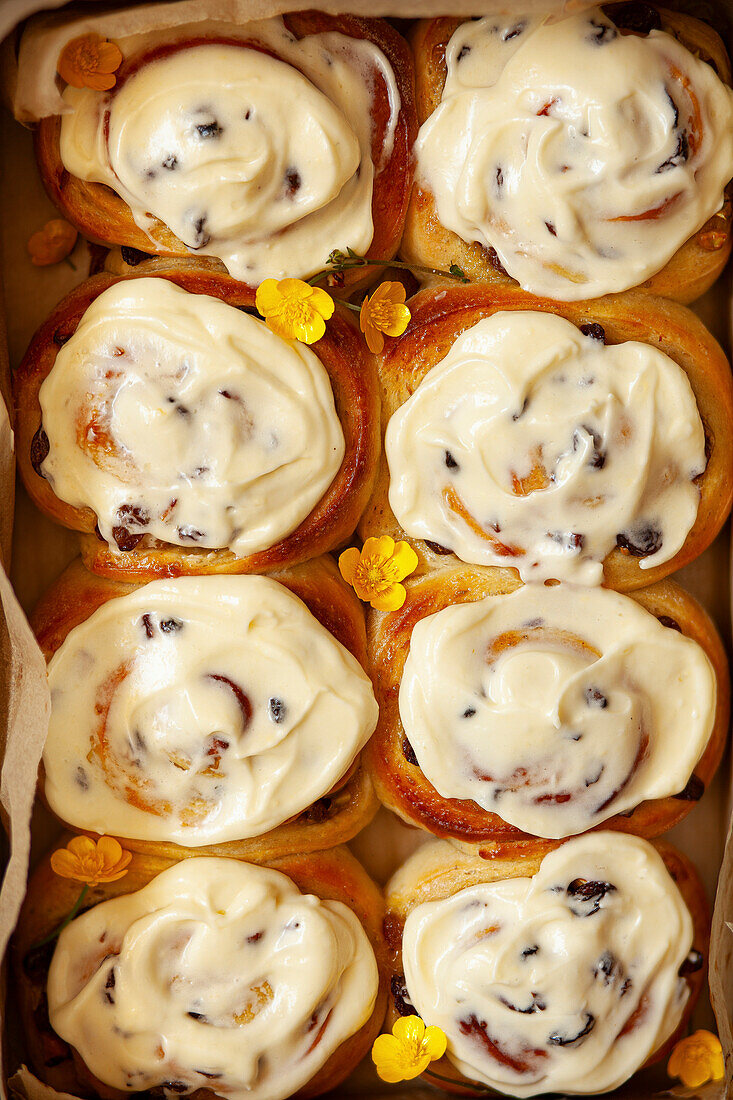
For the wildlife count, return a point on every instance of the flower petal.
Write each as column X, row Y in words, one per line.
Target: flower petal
column 390, row 600
column 64, row 864
column 312, row 330
column 82, row 846
column 348, row 561
column 374, row 338
column 397, row 322
column 404, row 560
column 109, row 849
column 296, row 289
column 379, row 546
column 268, row 297
column 435, row 1042
column 322, row 301
column 409, row 1029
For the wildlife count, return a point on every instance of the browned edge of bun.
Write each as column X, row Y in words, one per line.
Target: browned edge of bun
column 103, row 216
column 688, row 274
column 439, row 870
column 440, row 315
column 331, row 875
column 352, row 373
column 401, row 784
column 334, row 818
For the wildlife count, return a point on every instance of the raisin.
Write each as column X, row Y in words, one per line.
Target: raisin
column 133, row 515
column 591, row 893
column 641, row 542
column 667, row 620
column 606, row 966
column 318, row 812
column 241, row 697
column 437, row 548
column 595, row 698
column 148, row 626
column 292, row 182
column 202, row 238
column 463, row 52
column 694, row 790
column 209, row 129
column 492, row 257
column 601, row 33
column 451, row 462
column 255, row 937
column 39, row 450
column 469, row 712
column 409, row 753
column 558, row 1040
column 401, row 996
column 190, row 533
column 133, row 256
column 535, row 1005
column 692, row 964
column 196, row 1015
column 171, row 626
column 170, row 163
column 125, row 540
column 81, row 778
column 278, row 710
column 551, row 229
column 594, row 330
column 512, row 32
column 568, row 540
column 679, row 156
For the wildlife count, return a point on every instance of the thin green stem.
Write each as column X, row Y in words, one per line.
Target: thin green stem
column 67, row 919
column 455, row 1082
column 348, row 263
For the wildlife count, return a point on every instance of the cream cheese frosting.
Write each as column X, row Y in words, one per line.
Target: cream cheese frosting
column 216, row 975
column 261, row 156
column 178, row 417
column 555, row 707
column 585, row 157
column 564, row 982
column 201, row 710
column 535, row 446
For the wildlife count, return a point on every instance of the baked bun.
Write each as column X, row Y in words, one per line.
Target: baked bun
column 266, row 144
column 208, row 715
column 583, row 441
column 160, row 417
column 510, row 713
column 616, row 184
column 575, row 967
column 321, row 1004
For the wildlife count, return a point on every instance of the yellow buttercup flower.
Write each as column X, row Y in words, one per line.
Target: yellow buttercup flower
column 408, row 1051
column 697, row 1059
column 90, row 61
column 91, row 862
column 53, row 243
column 294, row 309
column 385, row 313
column 375, row 571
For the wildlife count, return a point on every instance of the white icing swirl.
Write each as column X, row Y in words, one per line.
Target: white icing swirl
column 177, row 416
column 555, row 707
column 534, row 446
column 201, row 710
column 264, row 161
column 583, row 156
column 564, row 982
column 218, row 975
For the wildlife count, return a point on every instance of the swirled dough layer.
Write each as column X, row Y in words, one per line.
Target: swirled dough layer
column 260, row 155
column 585, row 157
column 201, row 710
column 532, row 445
column 555, row 707
column 216, row 975
column 565, row 982
column 179, row 417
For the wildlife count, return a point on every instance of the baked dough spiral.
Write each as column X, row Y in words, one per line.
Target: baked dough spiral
column 583, row 156
column 200, row 711
column 535, row 445
column 257, row 144
column 555, row 707
column 216, row 975
column 178, row 417
column 566, row 981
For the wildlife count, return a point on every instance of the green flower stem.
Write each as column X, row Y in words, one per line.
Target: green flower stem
column 454, row 1081
column 348, row 263
column 67, row 919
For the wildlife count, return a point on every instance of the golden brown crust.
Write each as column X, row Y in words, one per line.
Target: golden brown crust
column 100, row 214
column 333, row 819
column 688, row 274
column 353, row 379
column 334, row 875
column 439, row 316
column 440, row 869
column 402, row 786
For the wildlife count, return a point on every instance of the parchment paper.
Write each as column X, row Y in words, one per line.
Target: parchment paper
column 41, row 549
